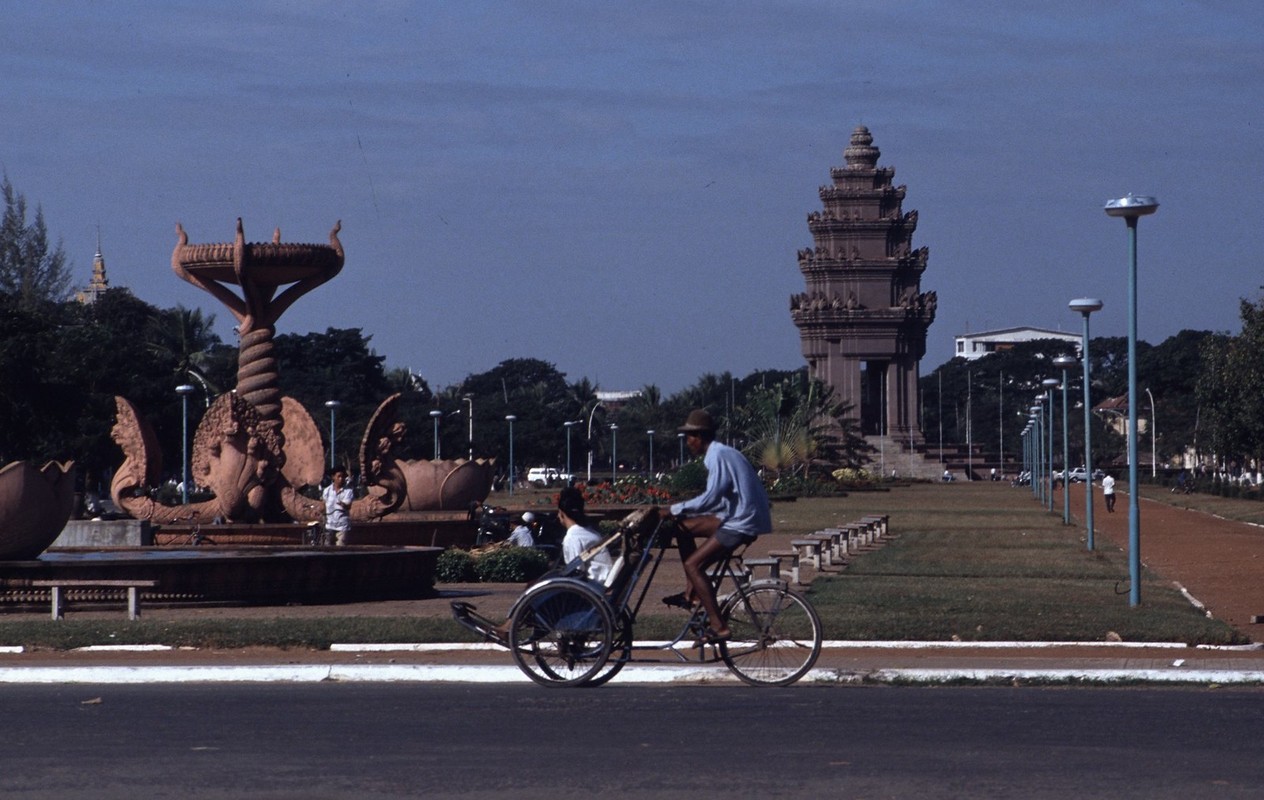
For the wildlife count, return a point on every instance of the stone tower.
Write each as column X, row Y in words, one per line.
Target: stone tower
column 863, row 319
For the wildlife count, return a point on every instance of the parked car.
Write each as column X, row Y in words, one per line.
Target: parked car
column 1079, row 474
column 546, row 476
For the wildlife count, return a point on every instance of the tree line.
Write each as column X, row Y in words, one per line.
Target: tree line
column 1201, row 397
column 61, row 363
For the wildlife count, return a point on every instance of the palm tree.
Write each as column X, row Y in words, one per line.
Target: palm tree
column 185, row 336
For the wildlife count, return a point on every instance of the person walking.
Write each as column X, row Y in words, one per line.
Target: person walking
column 337, row 496
column 1108, row 493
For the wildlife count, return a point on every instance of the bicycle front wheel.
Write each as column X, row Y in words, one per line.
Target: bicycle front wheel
column 561, row 634
column 776, row 635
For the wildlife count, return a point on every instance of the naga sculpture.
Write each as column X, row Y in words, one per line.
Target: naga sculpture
column 254, row 449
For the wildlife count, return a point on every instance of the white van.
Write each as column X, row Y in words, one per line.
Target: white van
column 546, row 476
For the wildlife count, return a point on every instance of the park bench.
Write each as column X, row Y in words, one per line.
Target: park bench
column 56, row 585
column 790, row 558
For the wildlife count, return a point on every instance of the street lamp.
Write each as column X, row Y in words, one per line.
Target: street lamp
column 1039, row 411
column 1132, row 208
column 570, row 423
column 1050, row 384
column 614, row 453
column 184, row 390
column 590, row 439
column 1154, row 457
column 1086, row 306
column 1065, row 362
column 436, row 415
column 333, row 406
column 510, row 419
column 1036, row 488
column 469, row 401
column 650, row 434
column 680, row 439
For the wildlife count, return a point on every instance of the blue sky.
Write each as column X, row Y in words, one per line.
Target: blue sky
column 620, row 189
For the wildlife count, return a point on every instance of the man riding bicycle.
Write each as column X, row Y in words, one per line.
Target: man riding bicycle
column 731, row 511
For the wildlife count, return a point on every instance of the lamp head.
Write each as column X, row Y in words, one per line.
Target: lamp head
column 1086, row 305
column 1131, row 206
column 1065, row 362
column 184, row 388
column 1050, row 383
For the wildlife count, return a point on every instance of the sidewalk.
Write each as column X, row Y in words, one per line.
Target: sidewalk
column 840, row 662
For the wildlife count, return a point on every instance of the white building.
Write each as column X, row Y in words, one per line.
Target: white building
column 976, row 345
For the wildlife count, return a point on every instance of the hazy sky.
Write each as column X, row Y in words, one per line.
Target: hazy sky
column 621, row 188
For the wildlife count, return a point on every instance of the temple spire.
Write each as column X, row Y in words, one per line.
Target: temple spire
column 99, row 284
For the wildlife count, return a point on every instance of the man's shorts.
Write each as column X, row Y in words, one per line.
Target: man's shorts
column 733, row 539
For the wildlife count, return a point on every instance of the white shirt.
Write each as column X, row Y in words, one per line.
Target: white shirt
column 337, row 505
column 521, row 537
column 577, row 540
column 1108, row 485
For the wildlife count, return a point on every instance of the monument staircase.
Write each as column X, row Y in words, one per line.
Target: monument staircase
column 924, row 460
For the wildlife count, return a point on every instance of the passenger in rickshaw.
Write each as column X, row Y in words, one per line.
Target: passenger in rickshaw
column 579, row 537
column 730, row 512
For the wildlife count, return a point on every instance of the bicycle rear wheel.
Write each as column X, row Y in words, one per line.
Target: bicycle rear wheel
column 776, row 635
column 561, row 633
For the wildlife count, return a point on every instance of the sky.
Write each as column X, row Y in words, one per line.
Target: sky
column 620, row 189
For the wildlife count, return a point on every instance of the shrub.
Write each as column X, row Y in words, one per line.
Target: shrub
column 511, row 565
column 454, row 566
column 689, row 480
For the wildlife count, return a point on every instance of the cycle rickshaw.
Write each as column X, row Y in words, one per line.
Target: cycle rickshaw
column 566, row 630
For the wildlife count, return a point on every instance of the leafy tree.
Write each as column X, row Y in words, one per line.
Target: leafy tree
column 794, row 423
column 535, row 393
column 29, row 269
column 1231, row 389
column 188, row 336
column 336, row 365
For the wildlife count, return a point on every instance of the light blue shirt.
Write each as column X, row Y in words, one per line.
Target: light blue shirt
column 734, row 493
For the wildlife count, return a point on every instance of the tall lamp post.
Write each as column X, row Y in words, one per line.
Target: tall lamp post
column 614, row 453
column 570, row 423
column 1132, row 208
column 184, row 390
column 1087, row 306
column 680, row 440
column 590, row 439
column 650, row 435
column 1038, row 477
column 436, row 415
column 333, row 406
column 1065, row 362
column 1154, row 427
column 510, row 419
column 469, row 401
column 1050, row 384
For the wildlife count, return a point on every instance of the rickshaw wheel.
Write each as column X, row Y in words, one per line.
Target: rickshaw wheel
column 561, row 633
column 620, row 651
column 776, row 635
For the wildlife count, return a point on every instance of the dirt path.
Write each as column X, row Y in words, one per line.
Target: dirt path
column 1220, row 562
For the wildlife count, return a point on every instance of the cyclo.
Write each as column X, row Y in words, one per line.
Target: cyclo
column 566, row 630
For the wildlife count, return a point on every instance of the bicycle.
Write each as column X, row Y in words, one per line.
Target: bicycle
column 568, row 631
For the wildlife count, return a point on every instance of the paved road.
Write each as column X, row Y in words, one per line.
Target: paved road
column 411, row 740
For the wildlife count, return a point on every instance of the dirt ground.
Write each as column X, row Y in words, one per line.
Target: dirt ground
column 1219, row 562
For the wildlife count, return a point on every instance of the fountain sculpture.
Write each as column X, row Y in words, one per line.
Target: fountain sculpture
column 256, row 450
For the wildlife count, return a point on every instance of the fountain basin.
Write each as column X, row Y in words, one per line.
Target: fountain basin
column 236, row 575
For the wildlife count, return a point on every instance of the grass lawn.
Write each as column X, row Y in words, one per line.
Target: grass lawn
column 967, row 561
